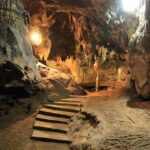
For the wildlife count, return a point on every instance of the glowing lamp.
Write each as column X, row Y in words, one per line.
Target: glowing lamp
column 36, row 38
column 131, row 5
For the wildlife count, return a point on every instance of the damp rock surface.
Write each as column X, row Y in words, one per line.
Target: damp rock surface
column 16, row 57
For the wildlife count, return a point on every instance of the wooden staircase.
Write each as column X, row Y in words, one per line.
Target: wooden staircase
column 52, row 121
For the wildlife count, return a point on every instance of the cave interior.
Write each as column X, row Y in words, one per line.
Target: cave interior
column 75, row 74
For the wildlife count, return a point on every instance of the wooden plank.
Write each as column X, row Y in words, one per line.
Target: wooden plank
column 50, row 137
column 52, row 119
column 63, row 108
column 56, row 113
column 45, row 126
column 66, row 103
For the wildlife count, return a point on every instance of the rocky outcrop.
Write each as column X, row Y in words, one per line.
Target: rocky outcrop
column 140, row 55
column 17, row 62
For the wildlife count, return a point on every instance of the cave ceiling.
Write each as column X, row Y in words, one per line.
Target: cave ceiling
column 74, row 23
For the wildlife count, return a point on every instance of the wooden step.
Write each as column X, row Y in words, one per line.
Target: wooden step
column 78, row 96
column 63, row 108
column 56, row 113
column 46, row 118
column 46, row 126
column 71, row 100
column 50, row 137
column 63, row 103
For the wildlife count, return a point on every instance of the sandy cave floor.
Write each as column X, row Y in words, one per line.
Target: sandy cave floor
column 124, row 124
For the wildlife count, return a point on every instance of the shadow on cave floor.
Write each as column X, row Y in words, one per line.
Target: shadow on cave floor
column 12, row 117
column 93, row 89
column 138, row 102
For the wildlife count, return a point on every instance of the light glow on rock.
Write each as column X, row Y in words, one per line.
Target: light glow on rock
column 36, row 38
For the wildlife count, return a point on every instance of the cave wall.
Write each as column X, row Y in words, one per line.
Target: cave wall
column 75, row 28
column 17, row 62
column 140, row 55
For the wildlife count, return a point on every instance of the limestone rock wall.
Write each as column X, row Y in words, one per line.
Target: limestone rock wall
column 140, row 55
column 16, row 57
column 75, row 28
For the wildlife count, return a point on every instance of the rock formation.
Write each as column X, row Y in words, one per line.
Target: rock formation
column 17, row 62
column 78, row 28
column 73, row 26
column 140, row 55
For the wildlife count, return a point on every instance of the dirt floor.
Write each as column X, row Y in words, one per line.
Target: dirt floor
column 124, row 125
column 124, row 122
column 16, row 129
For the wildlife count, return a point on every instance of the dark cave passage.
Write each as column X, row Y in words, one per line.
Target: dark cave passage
column 61, row 32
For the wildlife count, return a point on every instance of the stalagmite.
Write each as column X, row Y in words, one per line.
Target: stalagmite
column 97, row 71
